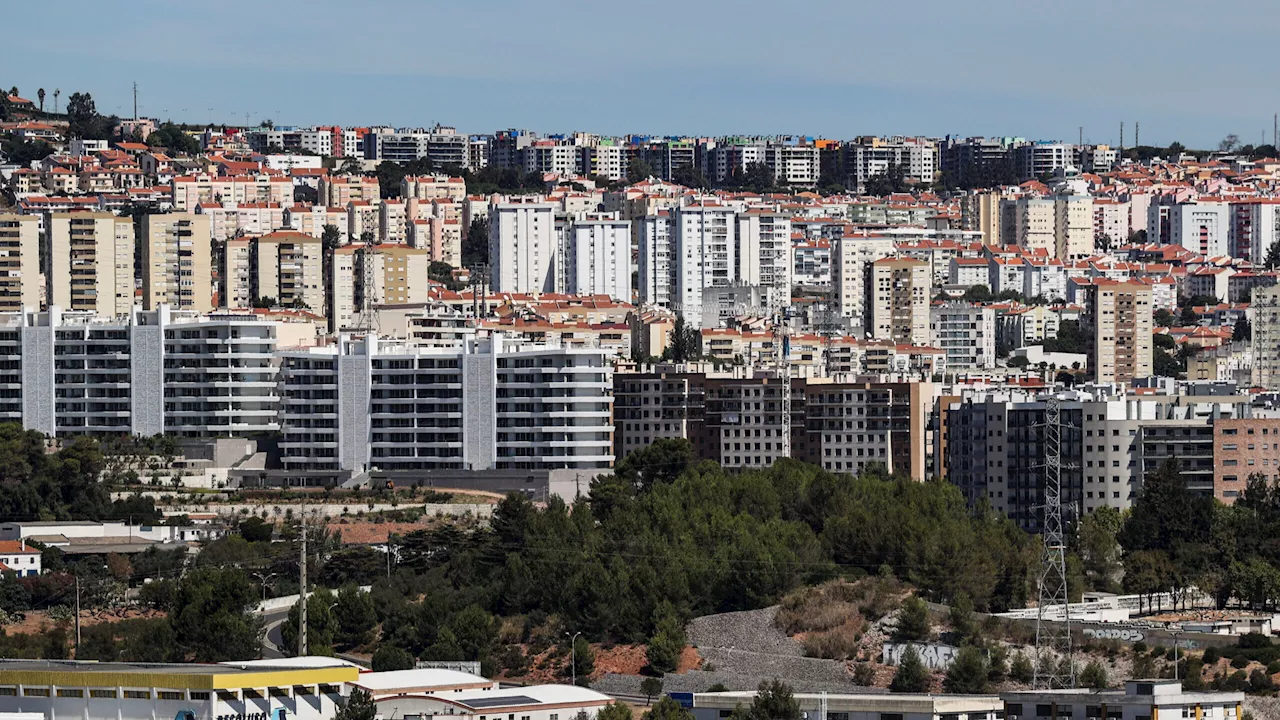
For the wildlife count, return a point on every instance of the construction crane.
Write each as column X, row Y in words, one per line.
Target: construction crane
column 1054, row 666
column 367, row 320
column 782, row 364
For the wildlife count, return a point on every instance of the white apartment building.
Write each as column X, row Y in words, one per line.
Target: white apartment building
column 793, row 164
column 900, row 292
column 522, row 246
column 704, row 241
column 968, row 272
column 604, row 160
column 1038, row 159
column 491, row 403
column 656, row 266
column 1203, row 227
column 869, row 157
column 1255, row 227
column 89, row 262
column 1045, row 278
column 596, row 259
column 1111, row 221
column 967, row 333
column 811, row 263
column 549, row 156
column 851, row 259
column 764, row 254
column 162, row 371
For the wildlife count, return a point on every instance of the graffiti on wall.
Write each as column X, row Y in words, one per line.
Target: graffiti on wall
column 934, row 656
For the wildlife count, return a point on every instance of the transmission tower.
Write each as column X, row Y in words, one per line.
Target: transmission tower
column 1054, row 667
column 368, row 318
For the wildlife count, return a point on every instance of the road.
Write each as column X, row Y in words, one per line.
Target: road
column 271, row 639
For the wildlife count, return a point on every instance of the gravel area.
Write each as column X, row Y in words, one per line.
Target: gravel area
column 1262, row 708
column 751, row 630
column 699, row 681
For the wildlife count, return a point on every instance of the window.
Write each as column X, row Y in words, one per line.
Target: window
column 8, row 691
column 168, row 695
column 70, row 692
column 35, row 692
column 137, row 694
column 200, row 694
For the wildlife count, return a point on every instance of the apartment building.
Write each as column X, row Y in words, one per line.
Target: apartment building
column 1255, row 227
column 313, row 219
column 737, row 419
column 492, row 404
column 980, row 211
column 1038, row 159
column 433, row 187
column 89, row 262
column 596, row 258
column 147, row 373
column 1264, row 314
column 551, row 156
column 966, row 332
column 704, row 251
column 192, row 190
column 288, row 267
column 793, row 164
column 1244, row 448
column 765, row 254
column 865, row 158
column 20, row 263
column 899, row 294
column 1073, row 234
column 177, row 262
column 1118, row 318
column 440, row 237
column 522, row 246
column 1202, row 227
column 235, row 274
column 852, row 256
column 655, row 262
column 341, row 190
column 443, row 147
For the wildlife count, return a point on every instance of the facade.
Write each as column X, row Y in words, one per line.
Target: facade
column 966, row 332
column 20, row 241
column 704, row 249
column 127, row 691
column 898, row 295
column 873, row 706
column 340, row 190
column 1139, row 700
column 535, row 702
column 152, row 372
column 1265, row 317
column 89, row 262
column 851, row 259
column 522, row 244
column 597, row 258
column 289, row 268
column 764, row 254
column 1244, row 448
column 1118, row 316
column 177, row 262
column 655, row 262
column 1203, row 227
column 490, row 404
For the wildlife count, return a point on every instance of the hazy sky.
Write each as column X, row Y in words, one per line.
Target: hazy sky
column 1187, row 70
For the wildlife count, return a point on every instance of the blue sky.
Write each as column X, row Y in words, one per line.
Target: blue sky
column 1188, row 71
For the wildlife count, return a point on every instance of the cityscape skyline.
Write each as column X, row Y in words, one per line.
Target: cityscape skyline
column 884, row 83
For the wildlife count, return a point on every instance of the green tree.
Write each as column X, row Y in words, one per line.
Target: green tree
column 356, row 616
column 1099, row 549
column 638, row 170
column 614, row 711
column 684, row 344
column 1163, row 318
column 475, row 246
column 660, row 462
column 977, row 294
column 651, row 687
column 912, row 676
column 389, row 657
column 1021, row 669
column 1094, row 676
column 667, row 709
column 321, row 624
column 968, row 672
column 774, row 700
column 913, row 622
column 215, row 619
column 667, row 642
column 330, row 236
column 757, row 177
column 359, row 705
column 255, row 529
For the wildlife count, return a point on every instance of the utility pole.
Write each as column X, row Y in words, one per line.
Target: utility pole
column 1121, row 139
column 77, row 576
column 1275, row 129
column 1136, row 143
column 135, row 101
column 302, row 592
column 1081, row 143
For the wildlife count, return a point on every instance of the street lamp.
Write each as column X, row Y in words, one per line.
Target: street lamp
column 573, row 656
column 262, row 580
column 1175, row 633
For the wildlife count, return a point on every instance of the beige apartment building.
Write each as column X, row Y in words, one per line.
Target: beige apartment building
column 288, row 266
column 177, row 262
column 89, row 262
column 900, row 292
column 236, row 274
column 1118, row 319
column 433, row 187
column 399, row 277
column 341, row 190
column 20, row 262
column 189, row 191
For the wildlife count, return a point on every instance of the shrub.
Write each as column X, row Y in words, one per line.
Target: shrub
column 1211, row 655
column 1239, row 661
column 1273, row 667
column 833, row 645
column 1254, row 640
column 1021, row 668
column 864, row 674
column 1139, row 647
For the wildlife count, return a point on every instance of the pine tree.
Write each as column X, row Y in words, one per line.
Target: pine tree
column 968, row 672
column 912, row 676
